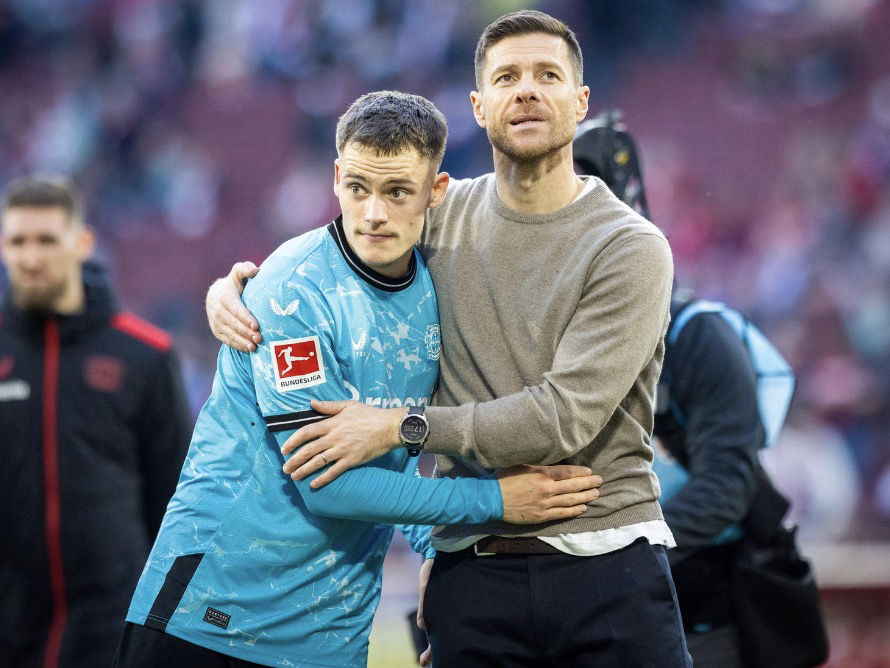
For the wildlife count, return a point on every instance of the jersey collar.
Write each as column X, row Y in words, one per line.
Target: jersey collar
column 374, row 278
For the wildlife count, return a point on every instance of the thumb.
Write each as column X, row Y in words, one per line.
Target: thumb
column 329, row 407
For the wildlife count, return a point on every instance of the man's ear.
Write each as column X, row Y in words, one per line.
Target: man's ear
column 86, row 242
column 440, row 187
column 583, row 102
column 478, row 108
column 337, row 177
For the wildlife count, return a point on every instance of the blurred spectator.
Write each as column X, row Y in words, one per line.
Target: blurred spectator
column 811, row 464
column 95, row 429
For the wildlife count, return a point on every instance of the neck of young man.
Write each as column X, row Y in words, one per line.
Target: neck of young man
column 539, row 186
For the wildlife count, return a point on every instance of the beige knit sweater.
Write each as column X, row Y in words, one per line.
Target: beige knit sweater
column 552, row 328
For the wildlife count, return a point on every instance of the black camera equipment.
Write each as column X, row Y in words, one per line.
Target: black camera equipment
column 603, row 148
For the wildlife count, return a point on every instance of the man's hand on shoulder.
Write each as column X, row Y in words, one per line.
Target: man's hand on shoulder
column 229, row 319
column 534, row 494
column 354, row 434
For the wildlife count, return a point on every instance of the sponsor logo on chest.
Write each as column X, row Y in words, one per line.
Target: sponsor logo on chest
column 297, row 364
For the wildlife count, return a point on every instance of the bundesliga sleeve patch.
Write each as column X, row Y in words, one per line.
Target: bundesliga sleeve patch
column 297, row 364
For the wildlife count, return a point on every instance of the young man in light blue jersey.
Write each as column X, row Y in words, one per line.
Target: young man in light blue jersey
column 250, row 568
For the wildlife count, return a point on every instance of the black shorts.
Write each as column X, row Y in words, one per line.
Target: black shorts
column 142, row 647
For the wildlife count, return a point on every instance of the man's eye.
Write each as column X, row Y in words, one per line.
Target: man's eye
column 354, row 189
column 551, row 75
column 503, row 78
column 398, row 193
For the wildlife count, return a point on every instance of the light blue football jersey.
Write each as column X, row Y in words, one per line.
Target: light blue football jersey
column 253, row 565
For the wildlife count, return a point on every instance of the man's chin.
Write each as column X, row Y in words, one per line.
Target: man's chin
column 526, row 151
column 38, row 302
column 529, row 154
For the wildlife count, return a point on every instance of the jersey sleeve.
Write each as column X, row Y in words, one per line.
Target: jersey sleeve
column 297, row 362
column 418, row 535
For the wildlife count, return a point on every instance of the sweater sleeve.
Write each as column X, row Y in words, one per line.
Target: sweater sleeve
column 714, row 385
column 613, row 335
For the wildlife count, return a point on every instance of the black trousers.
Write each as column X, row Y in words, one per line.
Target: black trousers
column 506, row 611
column 142, row 647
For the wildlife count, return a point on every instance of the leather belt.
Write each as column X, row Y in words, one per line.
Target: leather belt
column 491, row 545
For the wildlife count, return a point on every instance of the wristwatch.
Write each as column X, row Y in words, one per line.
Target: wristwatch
column 414, row 430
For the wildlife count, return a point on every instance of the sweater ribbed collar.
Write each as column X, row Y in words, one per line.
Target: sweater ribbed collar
column 570, row 211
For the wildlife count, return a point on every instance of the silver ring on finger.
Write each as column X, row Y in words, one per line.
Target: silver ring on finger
column 324, row 457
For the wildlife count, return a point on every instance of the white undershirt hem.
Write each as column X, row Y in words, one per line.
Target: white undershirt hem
column 585, row 544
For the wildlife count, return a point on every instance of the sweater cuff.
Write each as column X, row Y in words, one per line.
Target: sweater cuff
column 451, row 430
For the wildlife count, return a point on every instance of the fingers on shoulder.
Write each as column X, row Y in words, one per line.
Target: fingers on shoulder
column 242, row 270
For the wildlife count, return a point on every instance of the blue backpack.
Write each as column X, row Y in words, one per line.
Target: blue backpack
column 775, row 384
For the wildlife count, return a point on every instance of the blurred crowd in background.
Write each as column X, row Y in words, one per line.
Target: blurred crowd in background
column 201, row 132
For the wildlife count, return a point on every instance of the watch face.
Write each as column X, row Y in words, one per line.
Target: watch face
column 414, row 429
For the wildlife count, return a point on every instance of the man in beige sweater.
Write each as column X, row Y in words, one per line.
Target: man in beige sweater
column 553, row 300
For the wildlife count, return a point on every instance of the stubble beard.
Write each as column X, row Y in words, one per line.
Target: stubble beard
column 530, row 154
column 37, row 301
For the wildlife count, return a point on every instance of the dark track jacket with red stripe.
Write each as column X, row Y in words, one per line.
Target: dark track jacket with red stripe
column 93, row 432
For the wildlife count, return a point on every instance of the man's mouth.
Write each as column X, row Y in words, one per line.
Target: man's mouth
column 376, row 238
column 527, row 118
column 32, row 278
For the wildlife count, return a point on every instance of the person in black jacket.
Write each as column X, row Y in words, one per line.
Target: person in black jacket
column 709, row 378
column 93, row 432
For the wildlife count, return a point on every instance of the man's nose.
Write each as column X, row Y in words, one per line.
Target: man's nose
column 375, row 210
column 31, row 257
column 527, row 88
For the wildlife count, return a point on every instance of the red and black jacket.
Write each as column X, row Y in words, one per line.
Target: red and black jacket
column 94, row 428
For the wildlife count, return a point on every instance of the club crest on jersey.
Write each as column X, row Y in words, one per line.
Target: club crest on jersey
column 297, row 364
column 433, row 342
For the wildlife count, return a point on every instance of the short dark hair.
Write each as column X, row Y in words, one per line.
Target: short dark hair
column 389, row 122
column 526, row 22
column 44, row 192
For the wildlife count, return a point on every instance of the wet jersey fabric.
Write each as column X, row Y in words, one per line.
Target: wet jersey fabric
column 251, row 564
